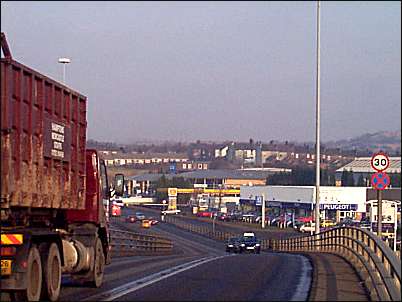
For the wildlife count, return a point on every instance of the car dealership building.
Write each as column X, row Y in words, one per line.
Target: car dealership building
column 335, row 202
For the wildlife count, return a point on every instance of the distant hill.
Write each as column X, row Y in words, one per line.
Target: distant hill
column 387, row 141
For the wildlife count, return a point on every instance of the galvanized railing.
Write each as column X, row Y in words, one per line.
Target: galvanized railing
column 126, row 243
column 376, row 263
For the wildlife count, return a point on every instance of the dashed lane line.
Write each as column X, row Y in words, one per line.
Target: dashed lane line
column 135, row 285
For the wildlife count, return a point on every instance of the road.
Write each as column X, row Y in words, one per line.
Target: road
column 199, row 269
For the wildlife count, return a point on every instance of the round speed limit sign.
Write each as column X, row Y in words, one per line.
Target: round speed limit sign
column 380, row 162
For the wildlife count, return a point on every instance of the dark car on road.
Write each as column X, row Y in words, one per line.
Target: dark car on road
column 251, row 244
column 140, row 216
column 234, row 245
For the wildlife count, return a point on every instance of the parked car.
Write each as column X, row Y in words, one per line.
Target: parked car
column 327, row 223
column 365, row 224
column 250, row 243
column 223, row 217
column 304, row 219
column 140, row 215
column 233, row 245
column 131, row 219
column 204, row 214
column 235, row 216
column 348, row 222
column 249, row 217
column 308, row 227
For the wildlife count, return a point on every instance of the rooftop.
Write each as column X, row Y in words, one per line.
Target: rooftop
column 363, row 165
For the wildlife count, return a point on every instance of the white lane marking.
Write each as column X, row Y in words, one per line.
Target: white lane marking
column 303, row 287
column 148, row 280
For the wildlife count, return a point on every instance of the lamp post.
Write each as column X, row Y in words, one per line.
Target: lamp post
column 317, row 173
column 64, row 61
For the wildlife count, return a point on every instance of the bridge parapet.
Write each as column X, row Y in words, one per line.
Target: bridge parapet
column 375, row 262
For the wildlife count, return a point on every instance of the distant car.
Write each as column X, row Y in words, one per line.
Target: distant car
column 146, row 223
column 118, row 202
column 298, row 225
column 140, row 215
column 348, row 222
column 327, row 223
column 308, row 227
column 116, row 211
column 204, row 214
column 365, row 224
column 234, row 216
column 250, row 243
column 249, row 217
column 153, row 220
column 304, row 219
column 223, row 217
column 233, row 245
column 131, row 219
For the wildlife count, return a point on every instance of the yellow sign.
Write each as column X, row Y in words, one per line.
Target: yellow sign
column 172, row 192
column 6, row 267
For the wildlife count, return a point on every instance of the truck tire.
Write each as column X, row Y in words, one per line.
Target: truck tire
column 99, row 266
column 93, row 277
column 34, row 278
column 51, row 264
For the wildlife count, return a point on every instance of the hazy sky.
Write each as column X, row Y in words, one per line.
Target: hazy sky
column 218, row 70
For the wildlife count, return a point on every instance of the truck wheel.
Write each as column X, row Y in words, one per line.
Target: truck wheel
column 99, row 266
column 93, row 277
column 51, row 272
column 34, row 278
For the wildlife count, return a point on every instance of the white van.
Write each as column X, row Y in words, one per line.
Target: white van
column 308, row 227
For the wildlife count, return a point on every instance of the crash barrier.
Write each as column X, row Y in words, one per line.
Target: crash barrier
column 207, row 230
column 126, row 243
column 376, row 263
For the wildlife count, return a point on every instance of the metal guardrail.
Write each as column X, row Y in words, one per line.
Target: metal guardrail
column 378, row 266
column 376, row 263
column 126, row 243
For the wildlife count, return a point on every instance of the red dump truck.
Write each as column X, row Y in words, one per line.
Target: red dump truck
column 54, row 193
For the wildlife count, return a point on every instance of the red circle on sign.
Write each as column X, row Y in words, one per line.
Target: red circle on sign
column 380, row 180
column 374, row 157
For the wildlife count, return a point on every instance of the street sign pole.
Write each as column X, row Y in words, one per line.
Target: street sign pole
column 380, row 181
column 263, row 212
column 379, row 214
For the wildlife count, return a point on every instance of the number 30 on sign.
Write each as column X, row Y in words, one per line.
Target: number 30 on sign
column 380, row 161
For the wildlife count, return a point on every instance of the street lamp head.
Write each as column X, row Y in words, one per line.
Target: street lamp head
column 64, row 60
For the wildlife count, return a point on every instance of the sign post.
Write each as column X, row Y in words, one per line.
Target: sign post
column 380, row 180
column 259, row 200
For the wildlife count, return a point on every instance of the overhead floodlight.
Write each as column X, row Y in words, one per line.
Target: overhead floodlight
column 64, row 60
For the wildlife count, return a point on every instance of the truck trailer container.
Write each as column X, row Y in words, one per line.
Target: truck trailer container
column 54, row 192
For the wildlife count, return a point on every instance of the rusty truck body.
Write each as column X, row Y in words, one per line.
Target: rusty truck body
column 54, row 192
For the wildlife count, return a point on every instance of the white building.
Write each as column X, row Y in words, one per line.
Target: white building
column 335, row 202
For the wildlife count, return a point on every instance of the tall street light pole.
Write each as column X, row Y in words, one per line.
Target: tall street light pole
column 64, row 61
column 317, row 128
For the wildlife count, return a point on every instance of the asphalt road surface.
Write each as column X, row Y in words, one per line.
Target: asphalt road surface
column 199, row 269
